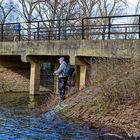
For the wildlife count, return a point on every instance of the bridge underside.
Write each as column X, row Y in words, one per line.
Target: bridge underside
column 81, row 67
column 29, row 72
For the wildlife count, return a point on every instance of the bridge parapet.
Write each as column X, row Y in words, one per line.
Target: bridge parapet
column 93, row 28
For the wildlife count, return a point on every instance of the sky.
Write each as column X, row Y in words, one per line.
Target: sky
column 131, row 3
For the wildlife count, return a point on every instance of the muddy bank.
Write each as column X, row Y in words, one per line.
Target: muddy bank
column 111, row 103
column 86, row 107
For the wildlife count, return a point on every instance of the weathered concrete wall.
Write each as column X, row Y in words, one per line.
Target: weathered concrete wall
column 103, row 68
column 15, row 75
column 72, row 48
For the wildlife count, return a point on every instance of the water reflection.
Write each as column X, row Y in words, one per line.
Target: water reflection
column 31, row 101
column 18, row 121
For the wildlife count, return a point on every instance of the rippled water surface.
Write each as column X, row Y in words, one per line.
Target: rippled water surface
column 18, row 121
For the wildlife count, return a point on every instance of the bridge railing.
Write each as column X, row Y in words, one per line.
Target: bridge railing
column 93, row 28
column 113, row 27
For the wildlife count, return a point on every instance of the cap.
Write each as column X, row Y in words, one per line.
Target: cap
column 61, row 58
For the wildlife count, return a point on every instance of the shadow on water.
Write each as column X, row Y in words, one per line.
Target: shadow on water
column 18, row 121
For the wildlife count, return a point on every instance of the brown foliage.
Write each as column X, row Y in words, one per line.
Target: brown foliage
column 50, row 101
column 119, row 81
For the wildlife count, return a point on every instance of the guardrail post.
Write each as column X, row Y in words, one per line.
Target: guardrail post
column 38, row 30
column 59, row 30
column 125, row 33
column 83, row 31
column 19, row 28
column 139, row 27
column 1, row 32
column 109, row 27
column 49, row 34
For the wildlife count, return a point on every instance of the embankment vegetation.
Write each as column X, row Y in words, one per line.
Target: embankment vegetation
column 111, row 98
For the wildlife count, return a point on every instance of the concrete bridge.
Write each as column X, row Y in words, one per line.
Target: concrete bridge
column 76, row 51
column 90, row 38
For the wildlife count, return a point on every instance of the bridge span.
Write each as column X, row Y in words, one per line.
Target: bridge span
column 29, row 44
column 78, row 52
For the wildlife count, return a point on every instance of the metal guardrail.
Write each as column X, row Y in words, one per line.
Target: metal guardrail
column 92, row 28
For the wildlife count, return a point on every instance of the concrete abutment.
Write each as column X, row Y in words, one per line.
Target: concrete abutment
column 35, row 75
column 34, row 78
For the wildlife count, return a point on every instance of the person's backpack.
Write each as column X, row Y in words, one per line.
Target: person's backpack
column 68, row 72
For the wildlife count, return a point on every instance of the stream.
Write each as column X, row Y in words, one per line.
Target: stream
column 20, row 121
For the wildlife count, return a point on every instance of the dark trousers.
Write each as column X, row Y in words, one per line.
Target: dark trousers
column 62, row 86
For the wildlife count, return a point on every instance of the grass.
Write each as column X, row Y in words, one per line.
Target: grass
column 120, row 84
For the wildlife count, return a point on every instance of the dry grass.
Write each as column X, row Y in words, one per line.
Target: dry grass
column 50, row 101
column 121, row 84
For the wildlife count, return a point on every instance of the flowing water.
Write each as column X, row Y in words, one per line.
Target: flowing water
column 19, row 121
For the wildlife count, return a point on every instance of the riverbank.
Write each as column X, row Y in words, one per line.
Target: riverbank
column 112, row 105
column 87, row 107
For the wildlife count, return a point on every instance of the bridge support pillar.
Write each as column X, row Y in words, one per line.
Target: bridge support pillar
column 56, row 79
column 34, row 78
column 81, row 76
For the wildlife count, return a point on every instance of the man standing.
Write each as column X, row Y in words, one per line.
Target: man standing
column 62, row 80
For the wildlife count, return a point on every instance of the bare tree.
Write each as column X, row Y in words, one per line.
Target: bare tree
column 107, row 8
column 137, row 8
column 28, row 13
column 98, row 8
column 136, row 21
column 54, row 11
column 5, row 10
column 87, row 8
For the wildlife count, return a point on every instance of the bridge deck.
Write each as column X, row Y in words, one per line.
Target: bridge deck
column 72, row 49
